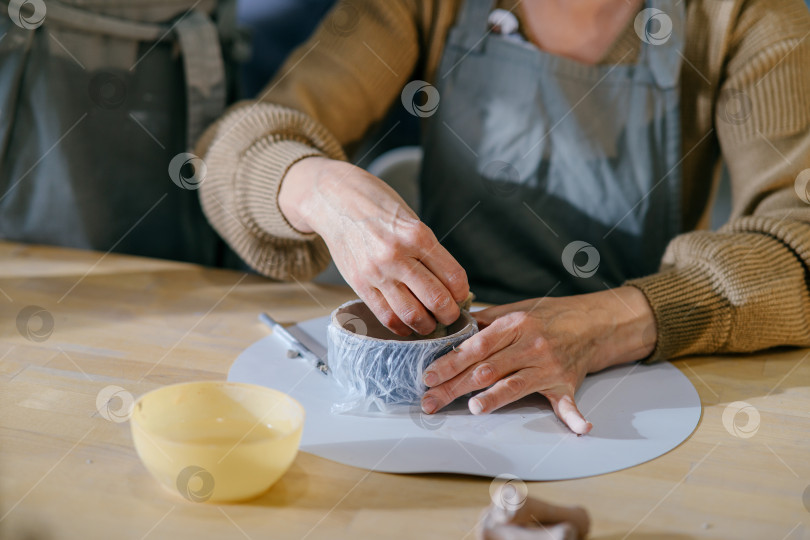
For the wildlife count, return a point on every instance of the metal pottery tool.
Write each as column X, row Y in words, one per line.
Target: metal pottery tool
column 295, row 347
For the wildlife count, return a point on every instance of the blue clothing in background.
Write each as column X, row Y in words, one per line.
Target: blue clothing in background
column 278, row 26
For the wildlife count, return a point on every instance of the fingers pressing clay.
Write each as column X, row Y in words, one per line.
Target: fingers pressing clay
column 441, row 329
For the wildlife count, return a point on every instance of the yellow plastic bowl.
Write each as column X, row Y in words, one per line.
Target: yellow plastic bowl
column 217, row 441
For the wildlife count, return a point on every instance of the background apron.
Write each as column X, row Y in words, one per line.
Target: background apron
column 543, row 175
column 95, row 104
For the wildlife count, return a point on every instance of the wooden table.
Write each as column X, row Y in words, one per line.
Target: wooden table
column 67, row 472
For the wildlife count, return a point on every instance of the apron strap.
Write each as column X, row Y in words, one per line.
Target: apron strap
column 199, row 42
column 664, row 60
column 205, row 73
column 473, row 23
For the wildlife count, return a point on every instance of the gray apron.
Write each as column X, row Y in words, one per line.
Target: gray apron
column 96, row 102
column 543, row 175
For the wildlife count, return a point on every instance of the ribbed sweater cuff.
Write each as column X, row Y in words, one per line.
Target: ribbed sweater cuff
column 689, row 312
column 261, row 172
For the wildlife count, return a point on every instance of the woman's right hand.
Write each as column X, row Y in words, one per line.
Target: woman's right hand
column 389, row 257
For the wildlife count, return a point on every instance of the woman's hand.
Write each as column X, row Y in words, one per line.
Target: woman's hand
column 546, row 346
column 392, row 260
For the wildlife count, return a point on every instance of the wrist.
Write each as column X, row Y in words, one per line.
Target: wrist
column 296, row 197
column 632, row 327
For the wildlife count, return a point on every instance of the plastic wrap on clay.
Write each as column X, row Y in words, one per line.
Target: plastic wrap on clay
column 377, row 368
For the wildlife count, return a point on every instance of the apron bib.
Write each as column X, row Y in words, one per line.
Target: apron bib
column 543, row 175
column 95, row 104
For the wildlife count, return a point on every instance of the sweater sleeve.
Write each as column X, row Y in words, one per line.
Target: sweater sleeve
column 745, row 287
column 327, row 95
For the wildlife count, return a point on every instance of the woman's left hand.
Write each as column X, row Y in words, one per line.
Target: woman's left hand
column 544, row 345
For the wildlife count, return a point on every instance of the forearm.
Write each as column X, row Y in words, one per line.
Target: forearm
column 733, row 292
column 317, row 193
column 296, row 190
column 624, row 324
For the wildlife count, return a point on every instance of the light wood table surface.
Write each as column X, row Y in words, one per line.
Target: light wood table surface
column 67, row 472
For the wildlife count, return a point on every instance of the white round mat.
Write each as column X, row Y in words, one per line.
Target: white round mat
column 639, row 412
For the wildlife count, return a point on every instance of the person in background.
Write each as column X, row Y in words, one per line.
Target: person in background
column 101, row 104
column 571, row 151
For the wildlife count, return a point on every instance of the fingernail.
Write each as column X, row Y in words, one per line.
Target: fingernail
column 475, row 406
column 584, row 428
column 429, row 405
column 430, row 378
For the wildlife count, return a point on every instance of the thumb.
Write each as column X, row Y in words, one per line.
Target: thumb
column 566, row 410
